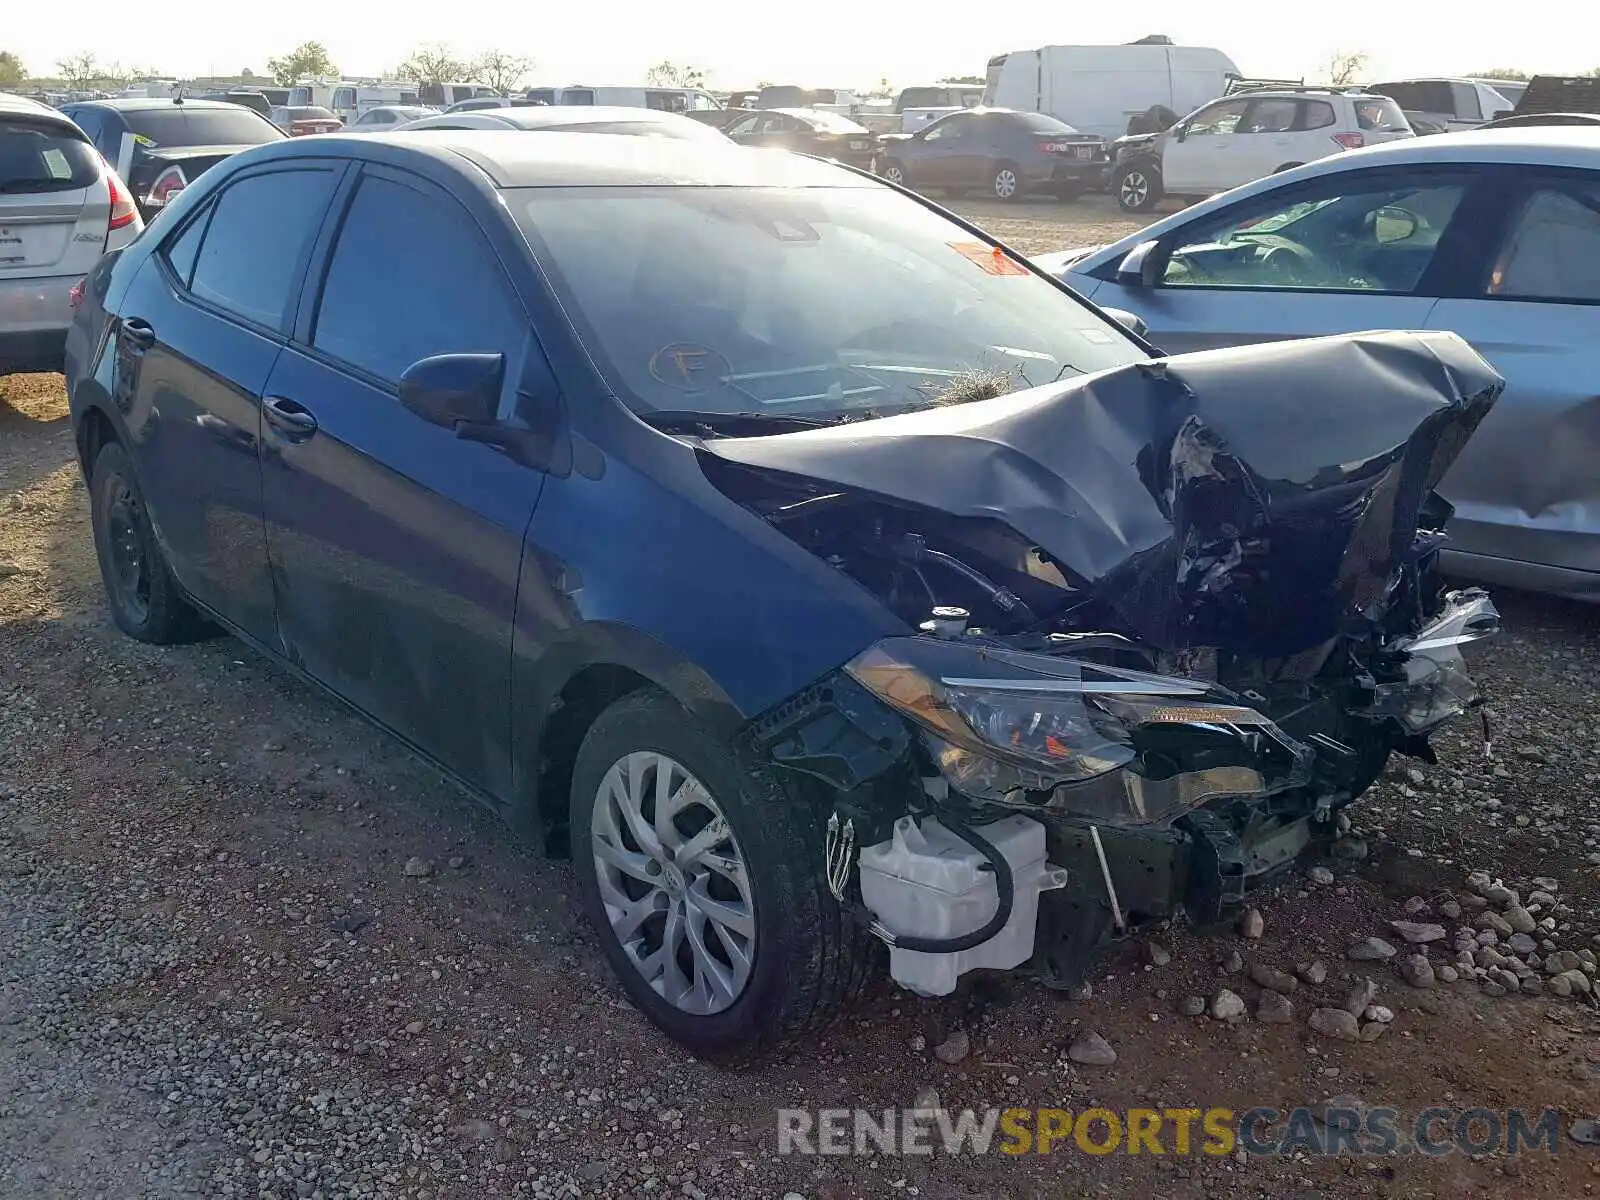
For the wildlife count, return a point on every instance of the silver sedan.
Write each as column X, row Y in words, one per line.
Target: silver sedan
column 1494, row 235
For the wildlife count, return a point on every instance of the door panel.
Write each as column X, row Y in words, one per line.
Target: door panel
column 1527, row 486
column 395, row 544
column 196, row 364
column 1185, row 319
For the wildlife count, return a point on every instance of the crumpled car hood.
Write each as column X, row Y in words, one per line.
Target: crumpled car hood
column 1254, row 499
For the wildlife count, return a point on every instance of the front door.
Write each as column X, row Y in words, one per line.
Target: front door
column 1316, row 258
column 395, row 544
column 220, row 292
column 939, row 153
column 1191, row 159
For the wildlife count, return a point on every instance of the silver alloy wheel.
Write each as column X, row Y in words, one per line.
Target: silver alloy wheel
column 1135, row 188
column 1005, row 183
column 674, row 883
column 895, row 176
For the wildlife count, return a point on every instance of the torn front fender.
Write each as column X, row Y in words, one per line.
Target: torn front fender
column 1254, row 499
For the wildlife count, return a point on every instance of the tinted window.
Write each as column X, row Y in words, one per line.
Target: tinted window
column 1270, row 116
column 577, row 96
column 1318, row 114
column 1553, row 251
column 1338, row 237
column 260, row 229
column 44, row 158
column 375, row 313
column 181, row 251
column 1383, row 115
column 948, row 129
column 186, row 126
column 89, row 120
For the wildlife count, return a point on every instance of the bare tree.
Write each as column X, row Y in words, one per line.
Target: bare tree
column 432, row 64
column 670, row 74
column 1506, row 73
column 1346, row 67
column 79, row 70
column 499, row 70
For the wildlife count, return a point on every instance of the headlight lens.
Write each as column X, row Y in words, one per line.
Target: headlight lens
column 1001, row 723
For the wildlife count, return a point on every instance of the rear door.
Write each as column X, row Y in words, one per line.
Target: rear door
column 1527, row 487
column 198, row 332
column 1264, row 141
column 54, row 204
column 395, row 544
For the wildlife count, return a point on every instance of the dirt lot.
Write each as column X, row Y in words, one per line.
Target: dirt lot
column 218, row 975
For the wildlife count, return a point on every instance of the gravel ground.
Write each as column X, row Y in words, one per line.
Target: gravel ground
column 222, row 973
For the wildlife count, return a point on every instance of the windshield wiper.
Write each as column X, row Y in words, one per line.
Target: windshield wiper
column 731, row 424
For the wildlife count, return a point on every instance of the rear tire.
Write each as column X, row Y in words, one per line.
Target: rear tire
column 1006, row 186
column 144, row 599
column 752, row 893
column 1137, row 188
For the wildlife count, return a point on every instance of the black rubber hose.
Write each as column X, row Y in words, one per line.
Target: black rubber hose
column 1004, row 885
column 915, row 550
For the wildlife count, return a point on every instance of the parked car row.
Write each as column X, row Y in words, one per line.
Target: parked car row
column 871, row 651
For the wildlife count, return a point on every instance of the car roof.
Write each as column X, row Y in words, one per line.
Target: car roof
column 535, row 116
column 563, row 159
column 149, row 103
column 22, row 106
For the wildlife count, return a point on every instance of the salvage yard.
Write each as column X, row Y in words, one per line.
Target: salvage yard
column 250, row 946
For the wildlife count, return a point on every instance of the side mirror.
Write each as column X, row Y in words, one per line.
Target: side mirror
column 454, row 389
column 1138, row 269
column 1393, row 225
column 1180, row 131
column 1132, row 322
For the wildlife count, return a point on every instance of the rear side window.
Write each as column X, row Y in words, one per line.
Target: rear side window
column 398, row 244
column 1553, row 251
column 1041, row 124
column 1270, row 116
column 1381, row 115
column 1318, row 114
column 44, row 158
column 260, row 230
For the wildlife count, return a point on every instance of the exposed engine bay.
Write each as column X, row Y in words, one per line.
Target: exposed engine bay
column 1179, row 613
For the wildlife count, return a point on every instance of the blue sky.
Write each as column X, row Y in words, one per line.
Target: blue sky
column 824, row 43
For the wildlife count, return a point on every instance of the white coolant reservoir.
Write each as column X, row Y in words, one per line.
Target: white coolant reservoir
column 926, row 881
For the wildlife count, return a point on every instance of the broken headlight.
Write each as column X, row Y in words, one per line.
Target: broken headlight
column 1003, row 723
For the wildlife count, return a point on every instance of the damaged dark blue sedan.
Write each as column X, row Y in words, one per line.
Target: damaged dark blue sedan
column 823, row 576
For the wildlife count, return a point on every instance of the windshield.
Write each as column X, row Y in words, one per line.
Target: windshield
column 811, row 302
column 180, row 126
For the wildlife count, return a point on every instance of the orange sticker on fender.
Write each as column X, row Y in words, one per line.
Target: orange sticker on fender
column 991, row 258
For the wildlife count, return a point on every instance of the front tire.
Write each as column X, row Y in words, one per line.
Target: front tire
column 894, row 173
column 1137, row 188
column 144, row 598
column 703, row 881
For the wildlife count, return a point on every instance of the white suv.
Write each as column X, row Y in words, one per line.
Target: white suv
column 1243, row 137
column 61, row 208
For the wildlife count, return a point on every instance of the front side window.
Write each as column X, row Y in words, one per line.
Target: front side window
column 1466, row 105
column 1218, row 119
column 374, row 314
column 1372, row 239
column 260, row 230
column 948, row 129
column 745, row 125
column 1553, row 249
column 800, row 301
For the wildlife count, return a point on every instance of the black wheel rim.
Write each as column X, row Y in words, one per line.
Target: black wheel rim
column 125, row 550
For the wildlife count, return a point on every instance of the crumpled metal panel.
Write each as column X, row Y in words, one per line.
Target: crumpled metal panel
column 1252, row 498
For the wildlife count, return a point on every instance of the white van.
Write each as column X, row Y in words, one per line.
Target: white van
column 350, row 100
column 662, row 99
column 1099, row 89
column 443, row 95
